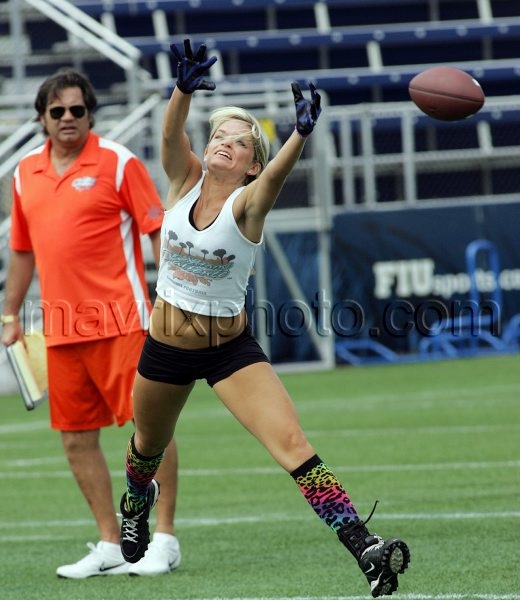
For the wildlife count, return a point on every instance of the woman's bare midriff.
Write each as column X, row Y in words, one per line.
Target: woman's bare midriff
column 182, row 329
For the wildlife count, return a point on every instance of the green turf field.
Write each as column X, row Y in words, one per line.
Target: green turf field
column 438, row 444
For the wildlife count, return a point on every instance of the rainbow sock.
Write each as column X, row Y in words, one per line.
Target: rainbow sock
column 140, row 470
column 324, row 493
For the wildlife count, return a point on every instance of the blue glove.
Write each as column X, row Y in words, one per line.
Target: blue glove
column 307, row 111
column 191, row 69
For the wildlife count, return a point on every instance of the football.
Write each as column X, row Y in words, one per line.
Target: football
column 446, row 93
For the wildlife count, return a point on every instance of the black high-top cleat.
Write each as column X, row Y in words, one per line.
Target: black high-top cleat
column 380, row 560
column 135, row 532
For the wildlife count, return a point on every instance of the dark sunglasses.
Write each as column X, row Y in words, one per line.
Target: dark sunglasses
column 56, row 112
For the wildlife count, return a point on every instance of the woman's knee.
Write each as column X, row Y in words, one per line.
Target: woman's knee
column 152, row 443
column 293, row 450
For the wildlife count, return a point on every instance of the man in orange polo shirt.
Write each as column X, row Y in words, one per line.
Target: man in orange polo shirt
column 80, row 204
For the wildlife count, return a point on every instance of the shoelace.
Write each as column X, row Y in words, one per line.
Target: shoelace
column 92, row 547
column 371, row 513
column 129, row 527
column 92, row 556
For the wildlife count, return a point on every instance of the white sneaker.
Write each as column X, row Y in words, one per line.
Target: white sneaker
column 162, row 556
column 104, row 558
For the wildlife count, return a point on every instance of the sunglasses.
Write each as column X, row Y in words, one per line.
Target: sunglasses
column 56, row 112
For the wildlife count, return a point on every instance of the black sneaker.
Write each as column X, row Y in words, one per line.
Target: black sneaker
column 381, row 561
column 135, row 533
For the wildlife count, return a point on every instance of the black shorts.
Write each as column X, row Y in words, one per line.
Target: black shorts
column 168, row 364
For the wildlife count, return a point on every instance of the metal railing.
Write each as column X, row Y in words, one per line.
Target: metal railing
column 87, row 31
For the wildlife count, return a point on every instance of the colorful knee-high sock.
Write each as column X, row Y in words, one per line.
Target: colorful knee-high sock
column 324, row 493
column 140, row 470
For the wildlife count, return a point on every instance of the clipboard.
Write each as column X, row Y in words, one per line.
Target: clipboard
column 29, row 365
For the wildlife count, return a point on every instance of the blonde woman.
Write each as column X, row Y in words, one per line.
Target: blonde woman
column 212, row 228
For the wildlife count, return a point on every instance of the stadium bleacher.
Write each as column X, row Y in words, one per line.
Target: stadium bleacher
column 355, row 50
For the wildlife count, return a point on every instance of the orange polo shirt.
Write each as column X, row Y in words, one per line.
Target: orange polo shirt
column 84, row 229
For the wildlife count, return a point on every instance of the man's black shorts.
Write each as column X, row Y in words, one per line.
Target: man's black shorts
column 168, row 364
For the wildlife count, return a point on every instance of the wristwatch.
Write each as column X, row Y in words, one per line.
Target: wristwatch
column 4, row 319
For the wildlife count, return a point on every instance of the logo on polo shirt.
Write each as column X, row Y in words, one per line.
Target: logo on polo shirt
column 83, row 183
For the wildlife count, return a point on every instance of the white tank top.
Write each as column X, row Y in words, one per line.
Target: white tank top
column 204, row 271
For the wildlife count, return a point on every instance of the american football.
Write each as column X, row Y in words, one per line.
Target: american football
column 446, row 93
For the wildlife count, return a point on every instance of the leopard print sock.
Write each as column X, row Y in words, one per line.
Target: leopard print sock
column 140, row 470
column 324, row 493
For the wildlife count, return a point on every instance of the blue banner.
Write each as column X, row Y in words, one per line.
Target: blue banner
column 403, row 281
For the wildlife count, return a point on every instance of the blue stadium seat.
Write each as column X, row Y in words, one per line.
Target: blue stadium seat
column 411, row 34
column 136, row 7
column 354, row 49
column 352, row 86
column 139, row 7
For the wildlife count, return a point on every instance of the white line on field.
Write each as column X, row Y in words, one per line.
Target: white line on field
column 264, row 518
column 253, row 471
column 425, row 430
column 24, row 427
